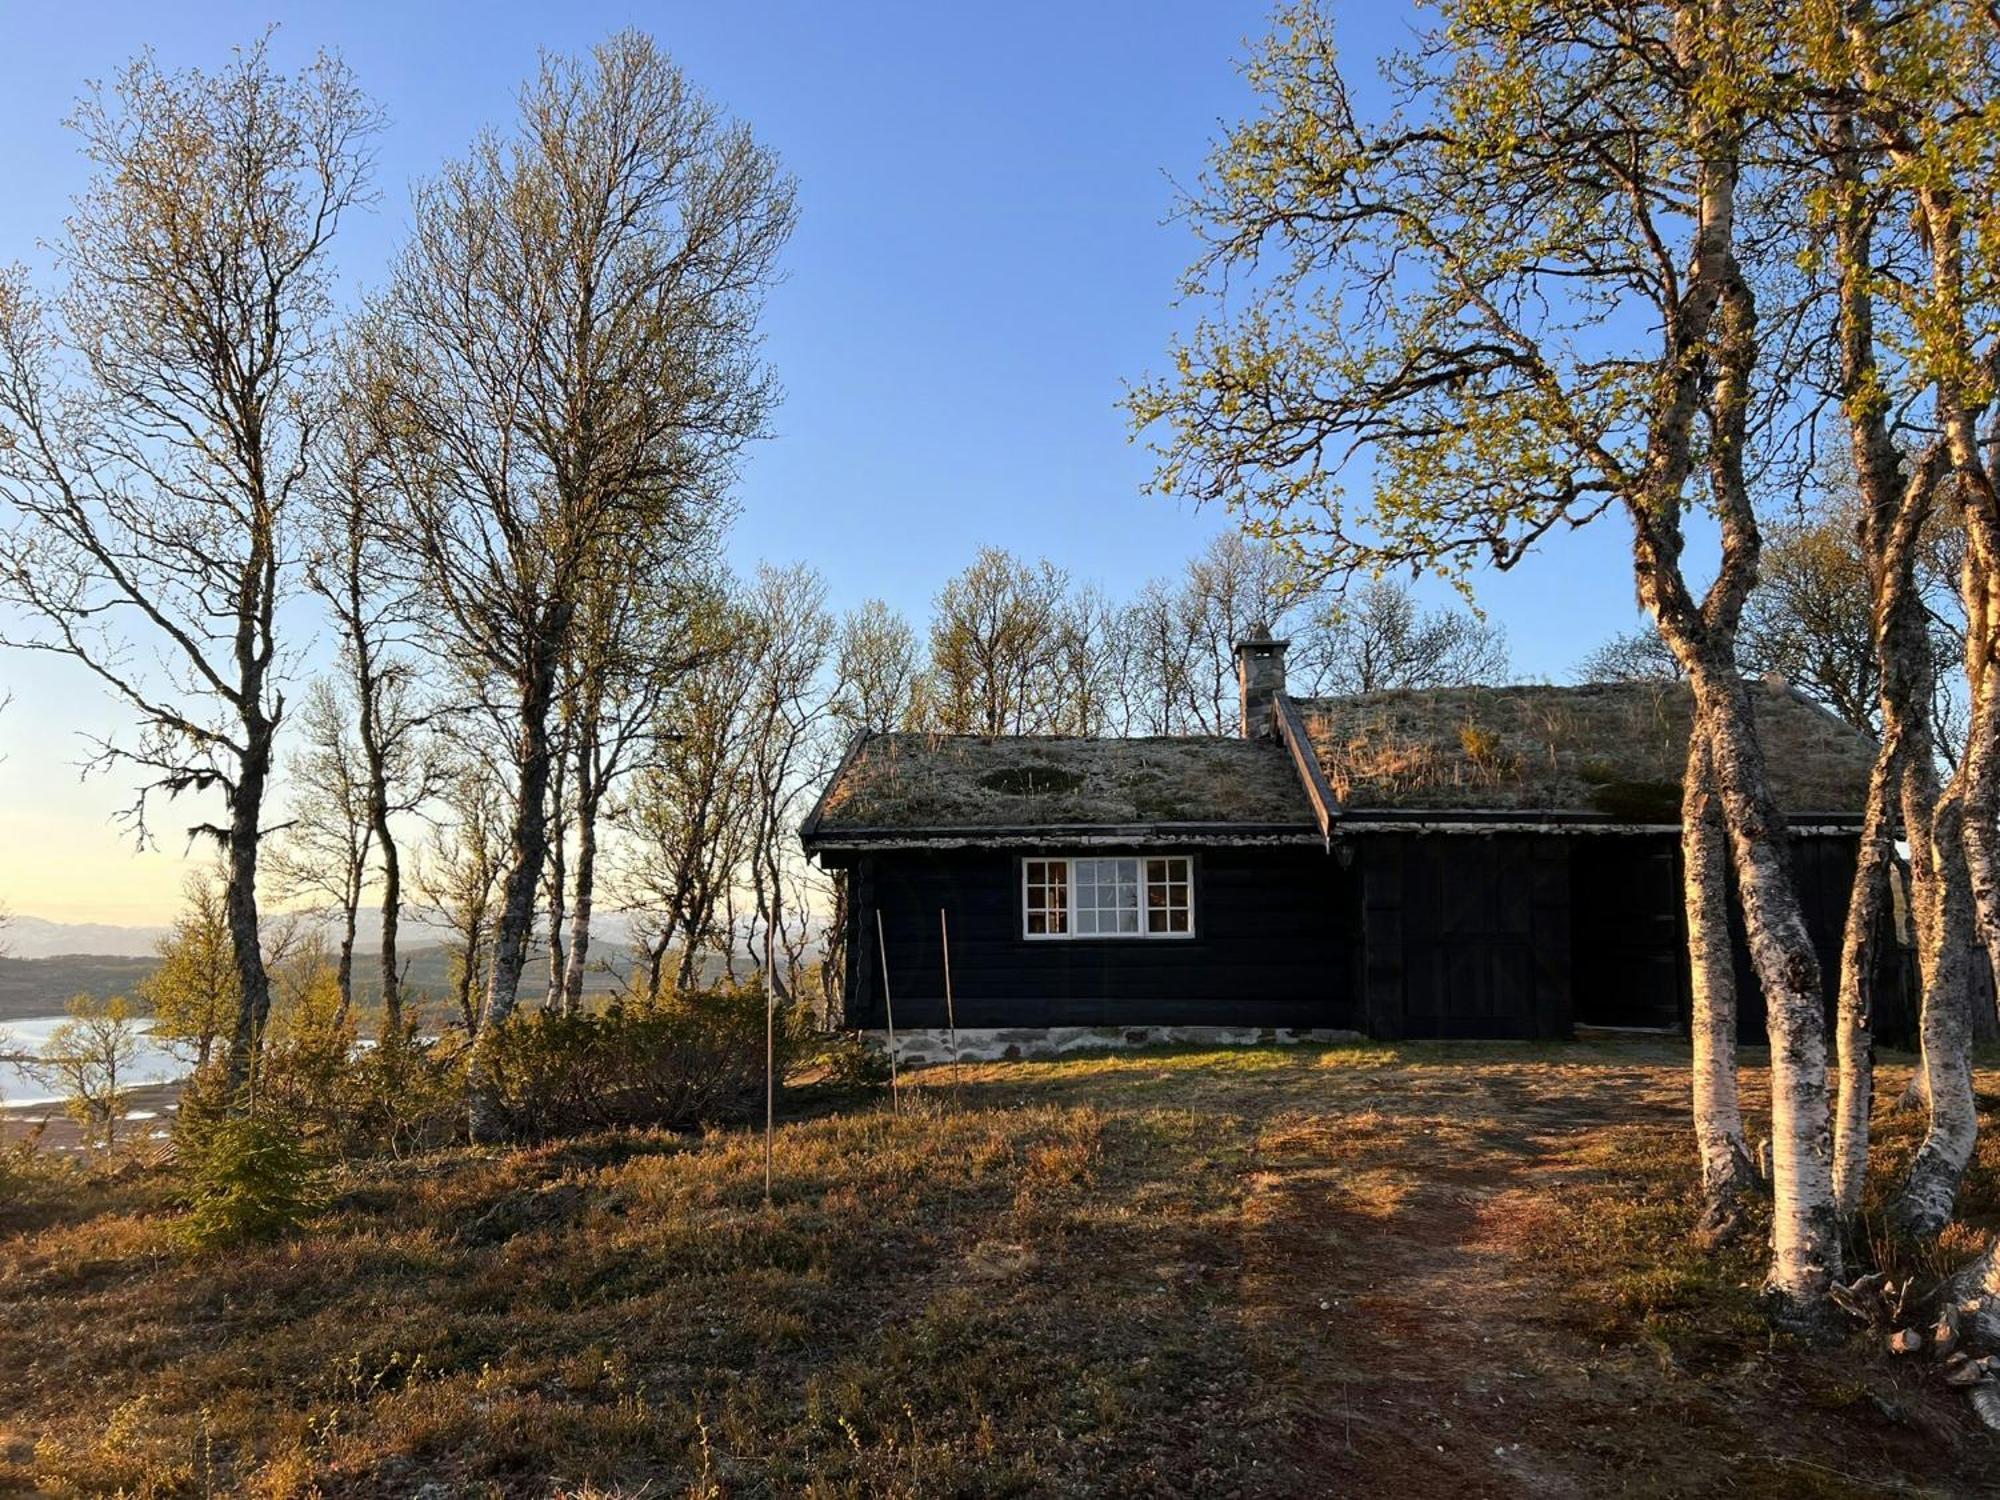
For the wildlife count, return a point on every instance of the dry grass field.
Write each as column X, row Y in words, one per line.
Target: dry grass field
column 1399, row 1271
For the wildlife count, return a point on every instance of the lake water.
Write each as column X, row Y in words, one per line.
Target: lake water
column 153, row 1064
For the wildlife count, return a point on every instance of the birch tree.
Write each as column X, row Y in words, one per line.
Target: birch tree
column 376, row 606
column 1185, row 633
column 458, row 874
column 192, row 991
column 877, row 663
column 686, row 818
column 572, row 336
column 786, row 749
column 1913, row 139
column 994, row 647
column 157, row 416
column 640, row 631
column 1379, row 639
column 90, row 1058
column 323, row 853
column 1450, row 292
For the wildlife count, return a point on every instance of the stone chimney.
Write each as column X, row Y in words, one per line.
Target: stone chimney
column 1260, row 677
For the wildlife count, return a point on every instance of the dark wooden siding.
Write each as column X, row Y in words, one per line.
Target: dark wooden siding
column 1501, row 935
column 1275, row 945
column 1630, row 935
column 1467, row 935
column 1823, row 867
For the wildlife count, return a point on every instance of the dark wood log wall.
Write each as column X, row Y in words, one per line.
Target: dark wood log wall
column 1410, row 935
column 1275, row 945
column 1467, row 936
column 1630, row 936
column 1823, row 866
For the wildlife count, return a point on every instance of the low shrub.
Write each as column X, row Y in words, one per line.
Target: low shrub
column 679, row 1061
column 394, row 1097
column 30, row 1177
column 249, row 1178
column 853, row 1063
column 305, row 1067
column 401, row 1096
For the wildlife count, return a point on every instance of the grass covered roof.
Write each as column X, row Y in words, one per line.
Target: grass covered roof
column 925, row 781
column 1614, row 750
column 1617, row 749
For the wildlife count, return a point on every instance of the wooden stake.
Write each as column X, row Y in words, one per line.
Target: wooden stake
column 888, row 1014
column 950, row 1014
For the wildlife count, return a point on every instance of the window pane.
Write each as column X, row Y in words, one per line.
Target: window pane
column 1169, row 903
column 1045, row 898
column 1112, row 896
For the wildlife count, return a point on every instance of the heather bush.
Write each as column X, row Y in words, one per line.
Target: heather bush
column 678, row 1061
column 399, row 1096
column 402, row 1095
column 30, row 1177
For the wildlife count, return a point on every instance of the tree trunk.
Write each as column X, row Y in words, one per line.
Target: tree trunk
column 468, row 977
column 517, row 907
column 580, row 913
column 253, row 1007
column 1805, row 1234
column 1854, row 1033
column 343, row 973
column 1941, row 898
column 1982, row 757
column 656, row 956
column 587, row 796
column 1728, row 1176
column 558, row 878
column 392, row 913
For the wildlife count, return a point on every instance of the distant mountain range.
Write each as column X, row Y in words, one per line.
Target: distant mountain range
column 31, row 987
column 38, row 937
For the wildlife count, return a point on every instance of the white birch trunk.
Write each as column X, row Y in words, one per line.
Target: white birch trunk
column 1728, row 1176
column 1854, row 1036
column 1805, row 1233
column 1941, row 901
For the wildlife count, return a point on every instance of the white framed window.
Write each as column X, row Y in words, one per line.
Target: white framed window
column 1124, row 896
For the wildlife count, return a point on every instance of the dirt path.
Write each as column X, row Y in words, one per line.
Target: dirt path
column 1403, row 1275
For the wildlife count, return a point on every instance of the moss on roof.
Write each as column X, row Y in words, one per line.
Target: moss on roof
column 1614, row 749
column 922, row 781
column 1611, row 748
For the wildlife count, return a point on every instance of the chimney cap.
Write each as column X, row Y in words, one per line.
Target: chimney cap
column 1259, row 634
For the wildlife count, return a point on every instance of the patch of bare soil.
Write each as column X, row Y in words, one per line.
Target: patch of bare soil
column 1456, row 1275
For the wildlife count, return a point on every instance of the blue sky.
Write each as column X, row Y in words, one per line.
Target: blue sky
column 983, row 259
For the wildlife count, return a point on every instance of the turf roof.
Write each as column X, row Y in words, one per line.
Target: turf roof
column 1613, row 750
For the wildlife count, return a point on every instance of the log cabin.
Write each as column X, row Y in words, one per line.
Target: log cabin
column 1470, row 863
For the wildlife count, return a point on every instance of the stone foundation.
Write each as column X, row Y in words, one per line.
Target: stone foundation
column 927, row 1047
